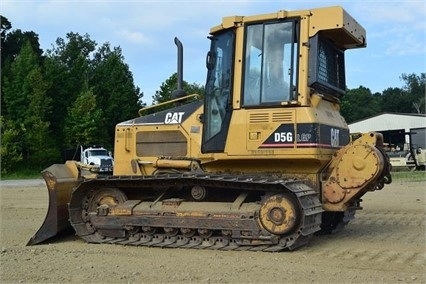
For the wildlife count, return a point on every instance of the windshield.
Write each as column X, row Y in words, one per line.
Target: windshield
column 270, row 72
column 98, row 153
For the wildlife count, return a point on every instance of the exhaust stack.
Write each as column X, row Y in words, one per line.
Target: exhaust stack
column 179, row 92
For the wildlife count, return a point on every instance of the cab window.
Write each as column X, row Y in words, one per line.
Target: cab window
column 270, row 71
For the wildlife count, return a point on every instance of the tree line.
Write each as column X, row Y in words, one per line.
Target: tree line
column 77, row 91
column 360, row 103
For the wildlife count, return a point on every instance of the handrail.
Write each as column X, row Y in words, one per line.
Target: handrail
column 167, row 102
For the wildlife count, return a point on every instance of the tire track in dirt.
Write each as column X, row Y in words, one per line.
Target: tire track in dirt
column 386, row 237
column 375, row 255
column 412, row 218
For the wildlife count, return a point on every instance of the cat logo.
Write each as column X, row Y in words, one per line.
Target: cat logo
column 173, row 117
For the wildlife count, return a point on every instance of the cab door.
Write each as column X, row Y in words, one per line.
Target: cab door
column 218, row 96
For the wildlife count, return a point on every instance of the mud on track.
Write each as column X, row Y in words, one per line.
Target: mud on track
column 385, row 243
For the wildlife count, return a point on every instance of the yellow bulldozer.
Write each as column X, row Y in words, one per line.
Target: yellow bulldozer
column 262, row 161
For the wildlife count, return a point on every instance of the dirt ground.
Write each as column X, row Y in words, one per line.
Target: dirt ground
column 386, row 243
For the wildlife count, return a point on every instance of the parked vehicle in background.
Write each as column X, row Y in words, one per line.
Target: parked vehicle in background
column 410, row 155
column 94, row 158
column 97, row 156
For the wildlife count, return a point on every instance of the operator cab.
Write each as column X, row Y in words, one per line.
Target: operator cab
column 266, row 67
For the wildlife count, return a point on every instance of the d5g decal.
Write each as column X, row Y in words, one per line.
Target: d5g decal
column 307, row 135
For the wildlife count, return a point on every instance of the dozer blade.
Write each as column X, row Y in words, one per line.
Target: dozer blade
column 60, row 180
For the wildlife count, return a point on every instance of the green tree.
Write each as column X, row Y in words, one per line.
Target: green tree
column 171, row 84
column 358, row 104
column 82, row 121
column 396, row 100
column 26, row 105
column 5, row 25
column 408, row 99
column 67, row 67
column 112, row 83
column 168, row 87
column 415, row 88
column 16, row 88
column 10, row 146
column 13, row 41
column 39, row 138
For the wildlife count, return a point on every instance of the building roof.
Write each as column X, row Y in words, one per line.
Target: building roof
column 389, row 121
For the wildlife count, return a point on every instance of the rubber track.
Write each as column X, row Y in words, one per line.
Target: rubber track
column 307, row 197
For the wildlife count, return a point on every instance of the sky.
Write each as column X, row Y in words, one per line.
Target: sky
column 145, row 30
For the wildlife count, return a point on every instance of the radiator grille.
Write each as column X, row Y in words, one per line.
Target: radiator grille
column 160, row 143
column 267, row 117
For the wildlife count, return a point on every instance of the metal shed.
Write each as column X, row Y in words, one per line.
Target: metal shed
column 397, row 128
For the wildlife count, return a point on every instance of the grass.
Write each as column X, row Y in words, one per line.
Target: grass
column 22, row 174
column 409, row 176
